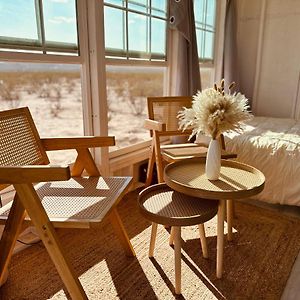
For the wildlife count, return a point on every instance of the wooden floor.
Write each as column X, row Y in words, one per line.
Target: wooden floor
column 155, row 277
column 292, row 288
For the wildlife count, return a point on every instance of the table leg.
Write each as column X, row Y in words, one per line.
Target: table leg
column 203, row 240
column 152, row 240
column 229, row 206
column 171, row 238
column 220, row 237
column 177, row 246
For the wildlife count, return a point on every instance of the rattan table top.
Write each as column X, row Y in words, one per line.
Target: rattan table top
column 162, row 205
column 236, row 181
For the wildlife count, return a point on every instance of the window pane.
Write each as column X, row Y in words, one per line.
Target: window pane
column 205, row 14
column 159, row 8
column 127, row 92
column 53, row 94
column 138, row 5
column 60, row 21
column 209, row 45
column 18, row 19
column 114, row 21
column 199, row 10
column 137, row 32
column 145, row 30
column 158, row 41
column 199, row 35
column 210, row 13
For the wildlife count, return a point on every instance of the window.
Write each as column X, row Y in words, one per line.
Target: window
column 45, row 26
column 139, row 29
column 127, row 90
column 135, row 32
column 53, row 94
column 205, row 15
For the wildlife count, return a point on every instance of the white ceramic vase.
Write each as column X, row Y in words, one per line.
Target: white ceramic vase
column 213, row 160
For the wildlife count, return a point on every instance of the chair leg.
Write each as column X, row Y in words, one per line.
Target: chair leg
column 177, row 246
column 153, row 238
column 121, row 232
column 9, row 237
column 46, row 231
column 158, row 159
column 150, row 166
column 203, row 240
column 229, row 213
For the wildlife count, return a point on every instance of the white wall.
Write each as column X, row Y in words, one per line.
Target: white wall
column 270, row 67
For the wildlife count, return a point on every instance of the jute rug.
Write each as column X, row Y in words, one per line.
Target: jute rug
column 256, row 264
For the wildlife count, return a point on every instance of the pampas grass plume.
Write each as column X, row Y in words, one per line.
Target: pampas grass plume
column 214, row 112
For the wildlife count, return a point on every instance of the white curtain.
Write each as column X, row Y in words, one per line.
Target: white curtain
column 187, row 74
column 230, row 68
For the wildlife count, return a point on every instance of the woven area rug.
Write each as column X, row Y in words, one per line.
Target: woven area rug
column 257, row 262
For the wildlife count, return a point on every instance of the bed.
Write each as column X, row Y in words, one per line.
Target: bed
column 273, row 146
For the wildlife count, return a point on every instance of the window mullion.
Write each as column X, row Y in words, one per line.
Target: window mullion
column 126, row 28
column 150, row 28
column 40, row 24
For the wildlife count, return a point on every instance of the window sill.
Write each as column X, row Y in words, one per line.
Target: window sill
column 129, row 156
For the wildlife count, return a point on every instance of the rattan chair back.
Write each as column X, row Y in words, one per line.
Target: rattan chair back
column 19, row 140
column 165, row 110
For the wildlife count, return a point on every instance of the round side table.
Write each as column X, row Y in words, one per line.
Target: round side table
column 162, row 205
column 236, row 181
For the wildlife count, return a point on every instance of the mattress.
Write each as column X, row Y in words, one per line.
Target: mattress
column 273, row 146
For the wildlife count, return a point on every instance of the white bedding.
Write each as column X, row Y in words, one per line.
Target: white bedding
column 273, row 146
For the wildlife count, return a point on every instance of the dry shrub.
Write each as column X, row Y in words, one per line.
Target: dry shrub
column 54, row 100
column 9, row 93
column 134, row 88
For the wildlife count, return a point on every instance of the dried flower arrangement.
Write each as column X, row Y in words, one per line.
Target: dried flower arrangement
column 213, row 112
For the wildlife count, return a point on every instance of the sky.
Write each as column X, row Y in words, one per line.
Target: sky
column 18, row 20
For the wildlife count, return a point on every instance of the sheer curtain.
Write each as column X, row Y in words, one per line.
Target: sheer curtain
column 186, row 74
column 230, row 69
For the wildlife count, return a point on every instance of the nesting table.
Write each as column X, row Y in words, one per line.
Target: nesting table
column 162, row 205
column 237, row 181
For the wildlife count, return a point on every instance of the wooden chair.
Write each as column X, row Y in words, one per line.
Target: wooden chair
column 163, row 122
column 62, row 199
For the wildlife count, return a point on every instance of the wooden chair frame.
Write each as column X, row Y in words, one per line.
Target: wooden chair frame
column 26, row 201
column 159, row 129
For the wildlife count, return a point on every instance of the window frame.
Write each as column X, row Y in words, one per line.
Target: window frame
column 131, row 61
column 128, row 56
column 91, row 57
column 41, row 45
column 209, row 63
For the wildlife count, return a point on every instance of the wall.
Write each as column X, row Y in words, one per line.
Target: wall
column 269, row 55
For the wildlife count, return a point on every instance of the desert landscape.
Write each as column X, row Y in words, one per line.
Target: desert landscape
column 55, row 101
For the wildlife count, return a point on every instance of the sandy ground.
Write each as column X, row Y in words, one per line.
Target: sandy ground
column 67, row 120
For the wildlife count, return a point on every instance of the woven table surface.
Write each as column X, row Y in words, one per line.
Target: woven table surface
column 162, row 205
column 236, row 179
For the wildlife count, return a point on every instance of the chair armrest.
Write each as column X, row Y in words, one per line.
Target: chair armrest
column 154, row 125
column 31, row 174
column 65, row 143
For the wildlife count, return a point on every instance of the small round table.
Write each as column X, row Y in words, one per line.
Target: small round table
column 162, row 205
column 236, row 181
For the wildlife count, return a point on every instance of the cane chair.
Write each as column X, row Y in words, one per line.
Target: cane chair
column 163, row 122
column 60, row 199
